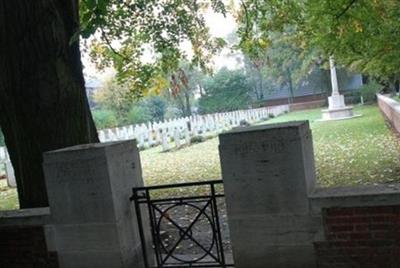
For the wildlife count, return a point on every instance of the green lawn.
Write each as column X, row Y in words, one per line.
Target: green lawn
column 362, row 150
column 357, row 151
column 8, row 197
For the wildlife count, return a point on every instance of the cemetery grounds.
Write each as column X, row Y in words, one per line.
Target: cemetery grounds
column 362, row 150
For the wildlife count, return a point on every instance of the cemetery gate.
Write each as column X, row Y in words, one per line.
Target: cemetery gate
column 185, row 224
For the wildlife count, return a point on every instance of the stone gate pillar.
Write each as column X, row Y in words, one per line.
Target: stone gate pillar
column 268, row 172
column 92, row 220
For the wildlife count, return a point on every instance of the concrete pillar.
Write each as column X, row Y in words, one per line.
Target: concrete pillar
column 336, row 100
column 268, row 172
column 335, row 86
column 93, row 223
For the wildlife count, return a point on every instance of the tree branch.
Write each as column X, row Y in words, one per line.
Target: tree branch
column 108, row 42
column 247, row 17
column 352, row 2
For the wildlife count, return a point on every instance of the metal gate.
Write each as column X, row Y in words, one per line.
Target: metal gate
column 185, row 224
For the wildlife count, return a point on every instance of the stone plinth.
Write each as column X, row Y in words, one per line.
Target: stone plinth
column 92, row 220
column 338, row 113
column 336, row 101
column 268, row 172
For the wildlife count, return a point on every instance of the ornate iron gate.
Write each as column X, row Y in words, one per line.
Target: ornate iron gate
column 184, row 224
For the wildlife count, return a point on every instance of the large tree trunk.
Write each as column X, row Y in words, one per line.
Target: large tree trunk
column 43, row 104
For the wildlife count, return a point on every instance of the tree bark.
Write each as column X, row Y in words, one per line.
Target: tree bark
column 43, row 104
column 188, row 106
column 290, row 84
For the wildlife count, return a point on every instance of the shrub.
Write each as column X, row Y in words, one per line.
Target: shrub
column 156, row 107
column 138, row 114
column 104, row 119
column 197, row 139
column 172, row 112
column 352, row 97
column 368, row 91
column 271, row 115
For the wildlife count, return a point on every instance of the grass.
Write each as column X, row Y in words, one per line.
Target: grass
column 8, row 197
column 362, row 150
column 349, row 152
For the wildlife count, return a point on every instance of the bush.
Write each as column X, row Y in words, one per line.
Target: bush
column 368, row 91
column 138, row 114
column 172, row 112
column 352, row 96
column 156, row 107
column 225, row 91
column 197, row 139
column 104, row 119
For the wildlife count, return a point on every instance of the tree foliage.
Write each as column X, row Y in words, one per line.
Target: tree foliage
column 184, row 84
column 104, row 118
column 114, row 96
column 284, row 65
column 225, row 91
column 115, row 106
column 361, row 34
column 142, row 39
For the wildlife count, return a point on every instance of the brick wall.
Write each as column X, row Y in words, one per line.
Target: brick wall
column 299, row 99
column 307, row 105
column 25, row 247
column 391, row 110
column 367, row 237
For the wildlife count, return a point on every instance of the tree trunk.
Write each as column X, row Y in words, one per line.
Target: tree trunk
column 188, row 106
column 290, row 82
column 261, row 85
column 43, row 104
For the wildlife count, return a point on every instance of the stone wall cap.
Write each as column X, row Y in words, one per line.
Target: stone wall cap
column 389, row 101
column 88, row 146
column 354, row 191
column 24, row 213
column 85, row 151
column 276, row 126
column 338, row 109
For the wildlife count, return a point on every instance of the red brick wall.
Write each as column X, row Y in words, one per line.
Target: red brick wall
column 25, row 247
column 307, row 105
column 367, row 237
column 300, row 99
column 390, row 110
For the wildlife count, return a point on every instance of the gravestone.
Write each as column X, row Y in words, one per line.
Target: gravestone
column 268, row 172
column 165, row 143
column 187, row 136
column 177, row 137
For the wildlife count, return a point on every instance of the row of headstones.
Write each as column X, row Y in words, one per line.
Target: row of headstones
column 170, row 133
column 177, row 132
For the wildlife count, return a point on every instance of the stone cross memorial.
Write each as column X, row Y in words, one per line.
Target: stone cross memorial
column 337, row 108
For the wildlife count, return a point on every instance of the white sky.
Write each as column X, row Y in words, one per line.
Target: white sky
column 219, row 25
